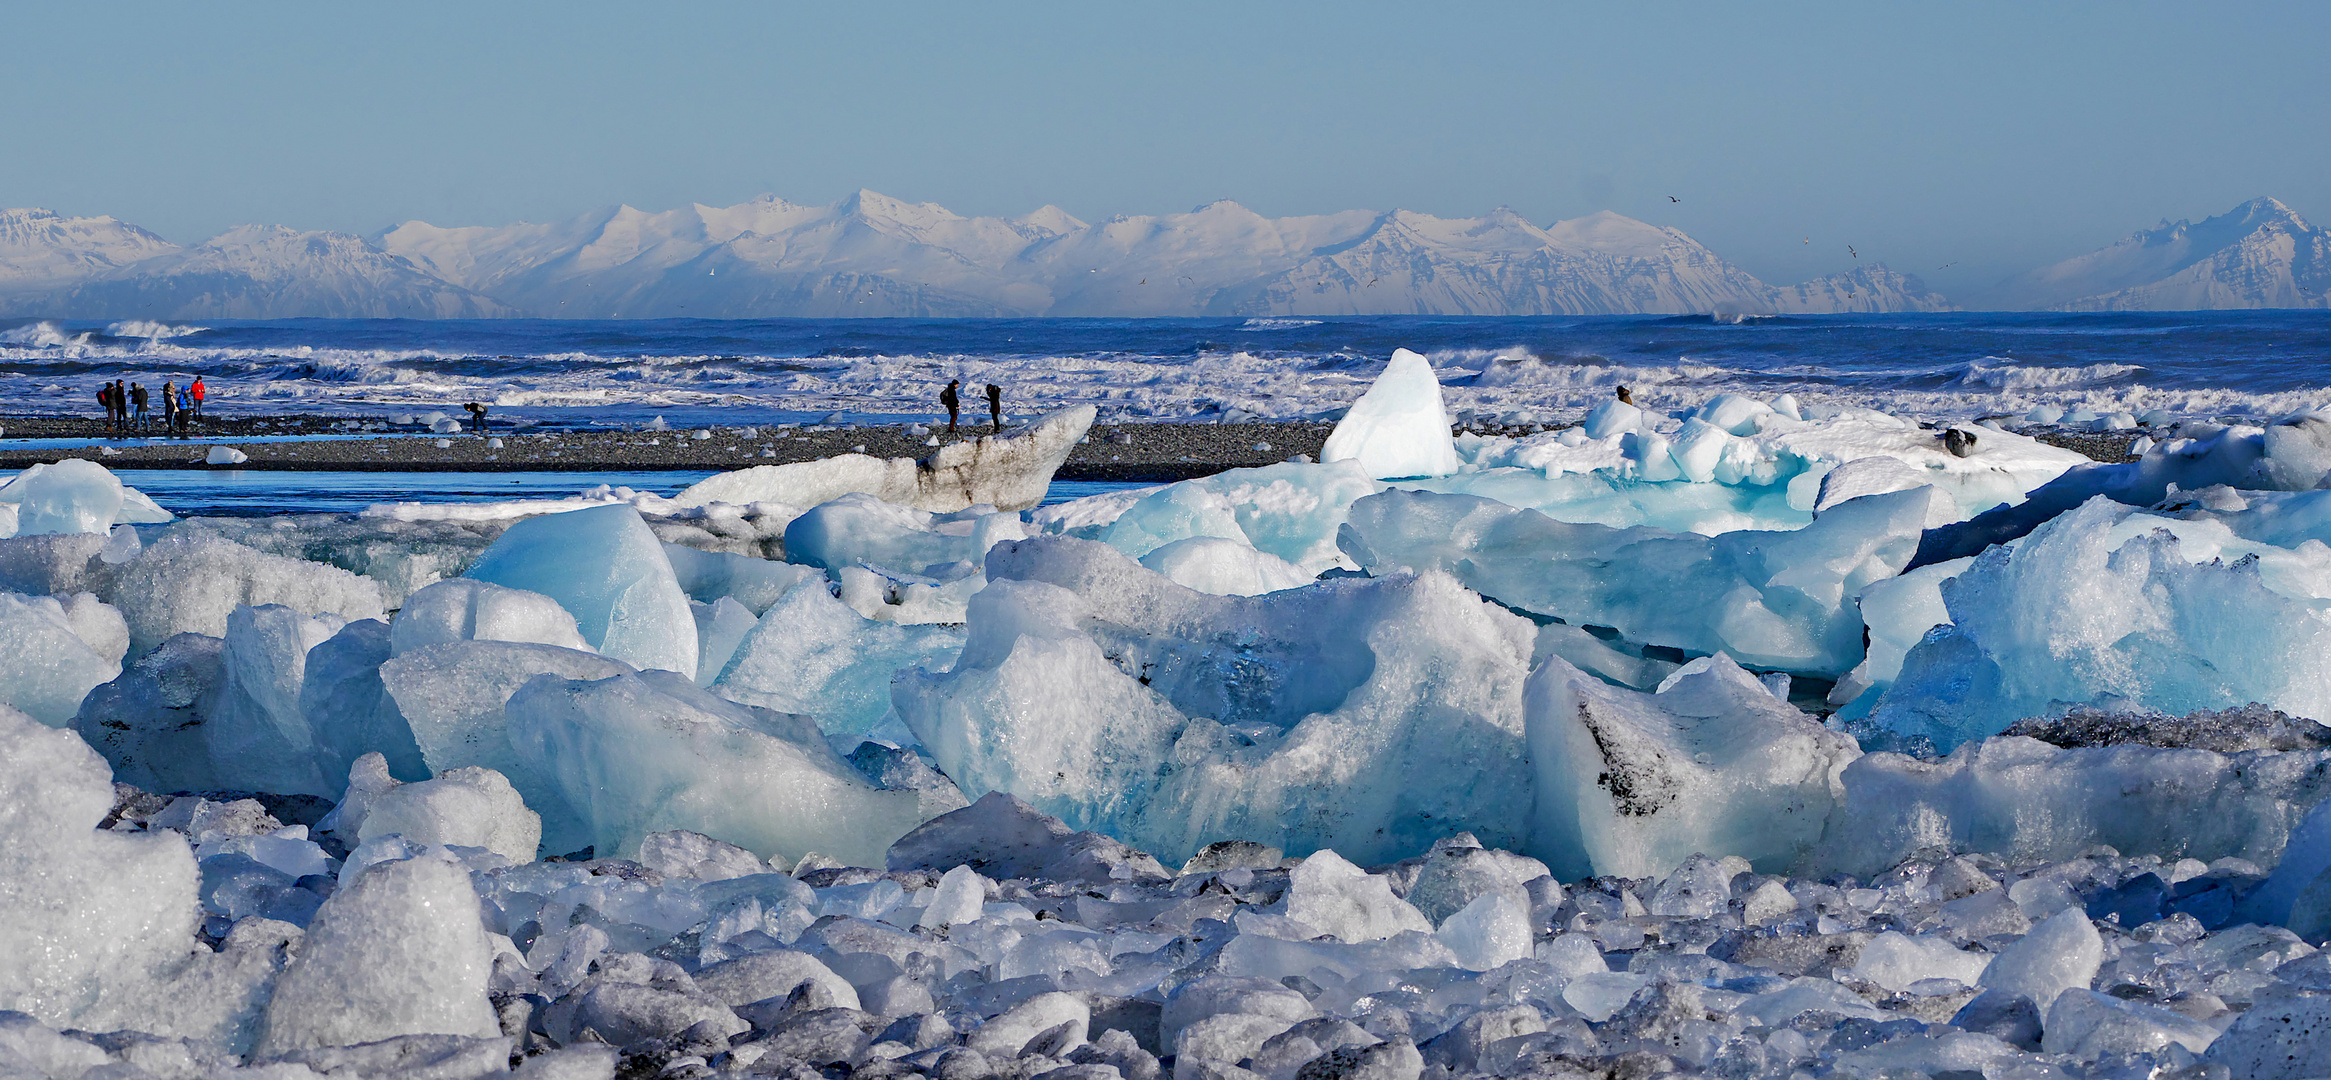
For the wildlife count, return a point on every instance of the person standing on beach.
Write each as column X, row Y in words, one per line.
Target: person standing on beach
column 169, row 405
column 138, row 405
column 185, row 409
column 953, row 401
column 995, row 406
column 105, row 401
column 196, row 391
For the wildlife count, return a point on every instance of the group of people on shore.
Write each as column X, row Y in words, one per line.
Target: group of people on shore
column 128, row 407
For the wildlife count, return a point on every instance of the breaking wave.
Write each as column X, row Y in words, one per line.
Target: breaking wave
column 2005, row 375
column 150, row 330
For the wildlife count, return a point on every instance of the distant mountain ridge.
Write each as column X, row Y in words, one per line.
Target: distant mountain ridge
column 872, row 255
column 2260, row 254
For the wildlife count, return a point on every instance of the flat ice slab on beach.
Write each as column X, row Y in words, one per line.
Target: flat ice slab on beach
column 1010, row 471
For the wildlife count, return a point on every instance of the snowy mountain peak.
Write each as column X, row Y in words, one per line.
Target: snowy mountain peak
column 1616, row 234
column 1050, row 220
column 2260, row 254
column 42, row 247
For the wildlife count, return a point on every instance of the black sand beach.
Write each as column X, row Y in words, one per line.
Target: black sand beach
column 1146, row 453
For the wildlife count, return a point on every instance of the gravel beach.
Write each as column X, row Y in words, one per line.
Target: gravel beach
column 1144, row 453
column 1148, row 453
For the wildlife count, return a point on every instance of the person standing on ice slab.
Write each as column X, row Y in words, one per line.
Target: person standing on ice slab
column 995, row 406
column 196, row 391
column 953, row 401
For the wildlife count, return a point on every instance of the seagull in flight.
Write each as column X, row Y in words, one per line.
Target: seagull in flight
column 1946, row 266
column 1672, row 198
column 1850, row 251
column 1371, row 283
column 1808, row 239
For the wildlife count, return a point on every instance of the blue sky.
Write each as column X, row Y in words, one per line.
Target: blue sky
column 1994, row 136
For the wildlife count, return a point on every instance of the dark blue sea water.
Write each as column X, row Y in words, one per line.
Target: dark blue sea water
column 581, row 373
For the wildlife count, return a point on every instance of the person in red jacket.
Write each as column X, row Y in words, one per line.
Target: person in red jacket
column 196, row 391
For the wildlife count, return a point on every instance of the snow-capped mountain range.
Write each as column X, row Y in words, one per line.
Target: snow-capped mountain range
column 872, row 255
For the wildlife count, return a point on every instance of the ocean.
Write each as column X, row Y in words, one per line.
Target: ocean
column 581, row 374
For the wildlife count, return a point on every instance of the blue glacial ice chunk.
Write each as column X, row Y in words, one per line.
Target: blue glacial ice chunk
column 862, row 529
column 720, row 627
column 1772, row 600
column 1290, row 511
column 2082, row 613
column 2029, row 802
column 651, row 752
column 452, row 699
column 1370, row 716
column 47, row 663
column 349, row 712
column 812, row 655
column 74, row 496
column 1399, row 427
column 711, row 576
column 259, row 739
column 1634, row 784
column 1612, row 417
column 608, row 570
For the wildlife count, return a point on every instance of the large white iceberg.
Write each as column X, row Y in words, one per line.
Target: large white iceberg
column 1010, row 471
column 190, row 583
column 1399, row 426
column 609, row 571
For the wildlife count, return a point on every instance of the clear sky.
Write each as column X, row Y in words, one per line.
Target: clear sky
column 1993, row 136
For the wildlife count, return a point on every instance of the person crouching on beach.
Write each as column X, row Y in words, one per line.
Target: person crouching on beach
column 477, row 415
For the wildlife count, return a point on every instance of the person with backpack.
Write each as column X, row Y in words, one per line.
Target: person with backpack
column 105, row 401
column 949, row 398
column 169, row 405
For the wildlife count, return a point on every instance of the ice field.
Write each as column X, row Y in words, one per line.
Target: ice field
column 1756, row 737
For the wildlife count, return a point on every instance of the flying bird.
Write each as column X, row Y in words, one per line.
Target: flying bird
column 1808, row 239
column 1946, row 266
column 1672, row 198
column 1850, row 251
column 1371, row 283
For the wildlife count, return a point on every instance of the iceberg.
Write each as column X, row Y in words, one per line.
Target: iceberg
column 1773, row 600
column 259, row 738
column 609, row 571
column 1010, row 471
column 1632, row 784
column 48, row 662
column 1399, row 426
column 74, row 496
column 72, row 955
column 191, row 583
column 2082, row 612
column 812, row 655
column 2027, row 801
column 1370, row 716
column 467, row 610
column 642, row 753
column 1289, row 511
column 861, row 530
